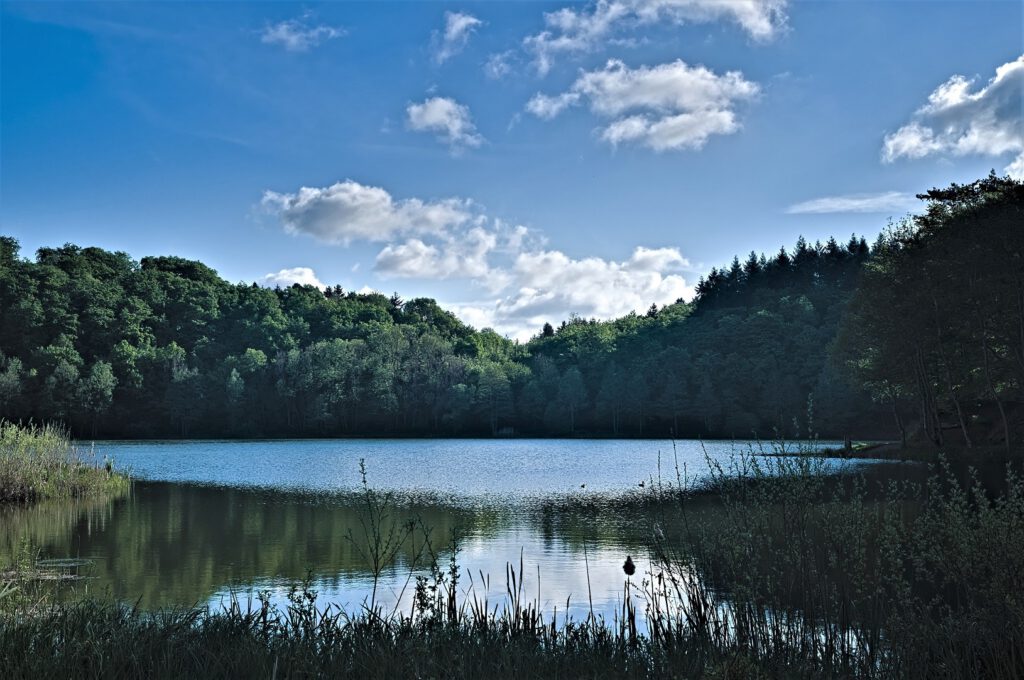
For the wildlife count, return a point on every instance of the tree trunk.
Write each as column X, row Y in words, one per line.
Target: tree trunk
column 992, row 389
column 933, row 424
column 922, row 387
column 899, row 421
column 949, row 372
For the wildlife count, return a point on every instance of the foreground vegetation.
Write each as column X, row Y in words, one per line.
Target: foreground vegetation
column 38, row 463
column 773, row 570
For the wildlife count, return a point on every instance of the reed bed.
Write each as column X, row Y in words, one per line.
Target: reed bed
column 780, row 573
column 798, row 568
column 40, row 462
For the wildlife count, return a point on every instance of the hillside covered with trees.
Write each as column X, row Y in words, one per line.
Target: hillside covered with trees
column 919, row 332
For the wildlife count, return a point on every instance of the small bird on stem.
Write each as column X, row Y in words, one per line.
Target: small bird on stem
column 628, row 566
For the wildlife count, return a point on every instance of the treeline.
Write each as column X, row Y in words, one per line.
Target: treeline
column 936, row 327
column 165, row 347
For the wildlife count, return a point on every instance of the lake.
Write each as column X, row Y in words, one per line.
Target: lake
column 209, row 519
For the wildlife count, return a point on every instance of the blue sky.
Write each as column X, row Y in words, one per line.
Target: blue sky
column 518, row 161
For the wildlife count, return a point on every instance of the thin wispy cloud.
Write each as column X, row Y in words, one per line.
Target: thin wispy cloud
column 671, row 106
column 885, row 202
column 458, row 28
column 959, row 120
column 577, row 30
column 499, row 64
column 297, row 35
column 448, row 120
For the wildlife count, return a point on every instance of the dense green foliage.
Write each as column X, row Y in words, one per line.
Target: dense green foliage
column 37, row 463
column 748, row 356
column 165, row 347
column 936, row 328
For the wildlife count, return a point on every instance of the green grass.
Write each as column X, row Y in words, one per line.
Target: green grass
column 38, row 463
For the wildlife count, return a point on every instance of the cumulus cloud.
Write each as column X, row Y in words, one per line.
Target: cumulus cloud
column 446, row 118
column 348, row 211
column 458, row 28
column 461, row 257
column 958, row 120
column 303, row 276
column 571, row 30
column 885, row 202
column 551, row 281
column 526, row 282
column 295, row 35
column 548, row 285
column 666, row 107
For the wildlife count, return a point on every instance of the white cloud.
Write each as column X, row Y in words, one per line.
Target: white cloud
column 958, row 121
column 548, row 106
column 479, row 315
column 1016, row 168
column 458, row 27
column 526, row 283
column 464, row 256
column 348, row 211
column 886, row 202
column 571, row 30
column 499, row 65
column 448, row 119
column 295, row 35
column 666, row 107
column 286, row 277
column 549, row 286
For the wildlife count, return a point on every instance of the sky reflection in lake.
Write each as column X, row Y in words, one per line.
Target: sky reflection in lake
column 214, row 518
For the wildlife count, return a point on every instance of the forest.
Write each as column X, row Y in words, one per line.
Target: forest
column 917, row 336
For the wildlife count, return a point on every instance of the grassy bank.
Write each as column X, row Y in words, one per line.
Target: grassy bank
column 774, row 569
column 38, row 463
column 93, row 640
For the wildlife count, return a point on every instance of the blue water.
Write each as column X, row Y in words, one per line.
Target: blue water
column 500, row 470
column 213, row 519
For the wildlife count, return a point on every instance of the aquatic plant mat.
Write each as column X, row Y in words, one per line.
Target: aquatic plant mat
column 38, row 463
column 783, row 571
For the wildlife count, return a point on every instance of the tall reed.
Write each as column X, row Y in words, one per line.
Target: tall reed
column 39, row 462
column 780, row 572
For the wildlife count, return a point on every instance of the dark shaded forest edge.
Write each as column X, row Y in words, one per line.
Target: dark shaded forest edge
column 916, row 337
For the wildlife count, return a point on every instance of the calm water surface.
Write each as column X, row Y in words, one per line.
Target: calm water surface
column 211, row 518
